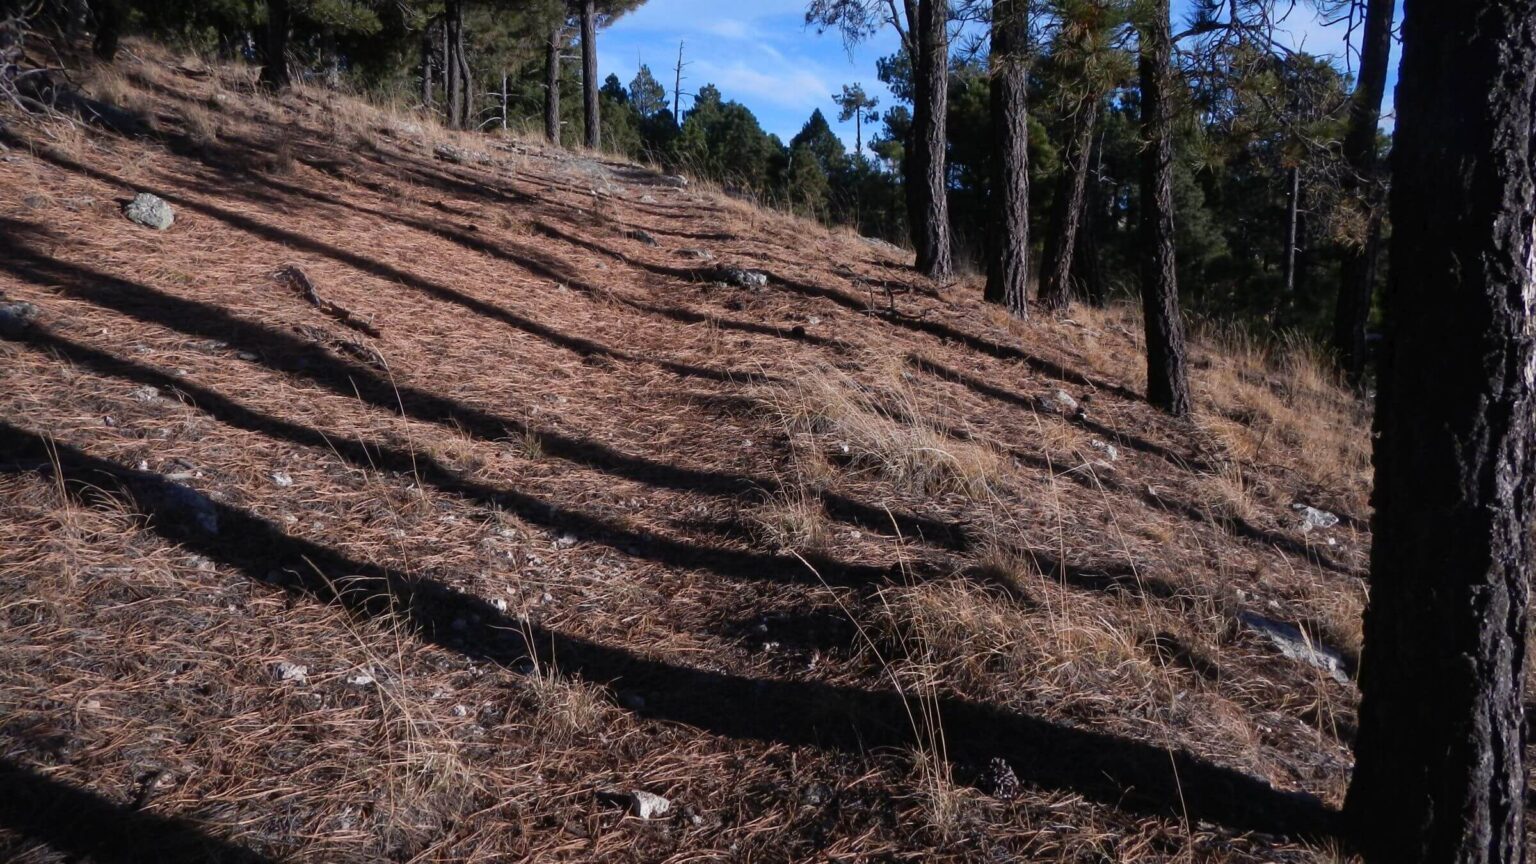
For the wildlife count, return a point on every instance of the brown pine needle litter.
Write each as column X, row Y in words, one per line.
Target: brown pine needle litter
column 486, row 516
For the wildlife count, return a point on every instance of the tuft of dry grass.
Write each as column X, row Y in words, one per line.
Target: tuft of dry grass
column 884, row 429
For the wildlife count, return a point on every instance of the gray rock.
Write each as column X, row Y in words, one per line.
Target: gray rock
column 1313, row 518
column 643, row 237
column 676, row 181
column 1061, row 402
column 282, row 479
column 150, row 211
column 291, row 672
column 1296, row 645
column 647, row 199
column 1106, row 448
column 16, row 317
column 646, row 805
column 741, row 277
column 697, row 254
column 460, row 155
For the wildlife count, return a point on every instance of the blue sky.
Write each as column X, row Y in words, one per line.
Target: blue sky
column 760, row 53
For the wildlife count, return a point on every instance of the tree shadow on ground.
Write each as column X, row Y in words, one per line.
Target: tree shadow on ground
column 1114, row 771
column 84, row 825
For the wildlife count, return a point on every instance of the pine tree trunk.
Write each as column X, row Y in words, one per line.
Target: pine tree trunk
column 274, row 67
column 1292, row 220
column 1167, row 375
column 1061, row 243
column 929, row 195
column 452, row 22
column 1359, row 269
column 1008, row 261
column 109, row 16
column 426, row 68
column 1439, row 771
column 594, row 130
column 552, row 85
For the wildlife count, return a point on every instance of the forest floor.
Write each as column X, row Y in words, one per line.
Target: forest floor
column 524, row 509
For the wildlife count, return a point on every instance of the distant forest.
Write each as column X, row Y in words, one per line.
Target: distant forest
column 1270, row 211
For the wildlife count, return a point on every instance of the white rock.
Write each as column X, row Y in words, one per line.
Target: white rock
column 291, row 672
column 1106, row 448
column 1296, row 645
column 1061, row 402
column 282, row 479
column 1312, row 518
column 646, row 805
column 362, row 680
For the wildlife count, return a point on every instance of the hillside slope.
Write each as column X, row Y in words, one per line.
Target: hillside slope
column 417, row 498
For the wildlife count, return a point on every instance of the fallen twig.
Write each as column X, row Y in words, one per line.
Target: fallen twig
column 295, row 279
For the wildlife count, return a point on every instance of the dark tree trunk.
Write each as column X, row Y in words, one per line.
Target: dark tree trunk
column 1292, row 222
column 109, row 16
column 1167, row 375
column 274, row 60
column 1439, row 773
column 1008, row 261
column 929, row 195
column 552, row 84
column 1359, row 268
column 426, row 68
column 1061, row 243
column 594, row 129
column 453, row 72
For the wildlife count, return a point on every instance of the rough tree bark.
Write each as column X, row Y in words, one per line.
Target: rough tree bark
column 274, row 59
column 1061, row 243
column 453, row 80
column 109, row 16
column 1439, row 773
column 1008, row 261
column 929, row 196
column 594, row 130
column 1167, row 372
column 1359, row 268
column 552, row 84
column 426, row 68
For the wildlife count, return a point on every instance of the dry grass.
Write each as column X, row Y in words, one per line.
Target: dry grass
column 663, row 541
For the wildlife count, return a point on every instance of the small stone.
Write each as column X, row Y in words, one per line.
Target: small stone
column 565, row 541
column 643, row 237
column 1106, row 448
column 741, row 277
column 697, row 254
column 460, row 711
column 1313, row 518
column 646, row 805
column 1061, row 402
column 361, row 680
column 16, row 317
column 145, row 394
column 188, row 504
column 500, row 604
column 676, row 181
column 647, row 199
column 291, row 672
column 282, row 479
column 150, row 211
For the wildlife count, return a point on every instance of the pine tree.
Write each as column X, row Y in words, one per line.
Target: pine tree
column 1440, row 752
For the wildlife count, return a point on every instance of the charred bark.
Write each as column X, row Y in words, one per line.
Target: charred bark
column 274, row 59
column 1061, row 244
column 1008, row 261
column 1359, row 267
column 109, row 16
column 1167, row 373
column 1439, row 773
column 593, row 122
column 928, row 197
